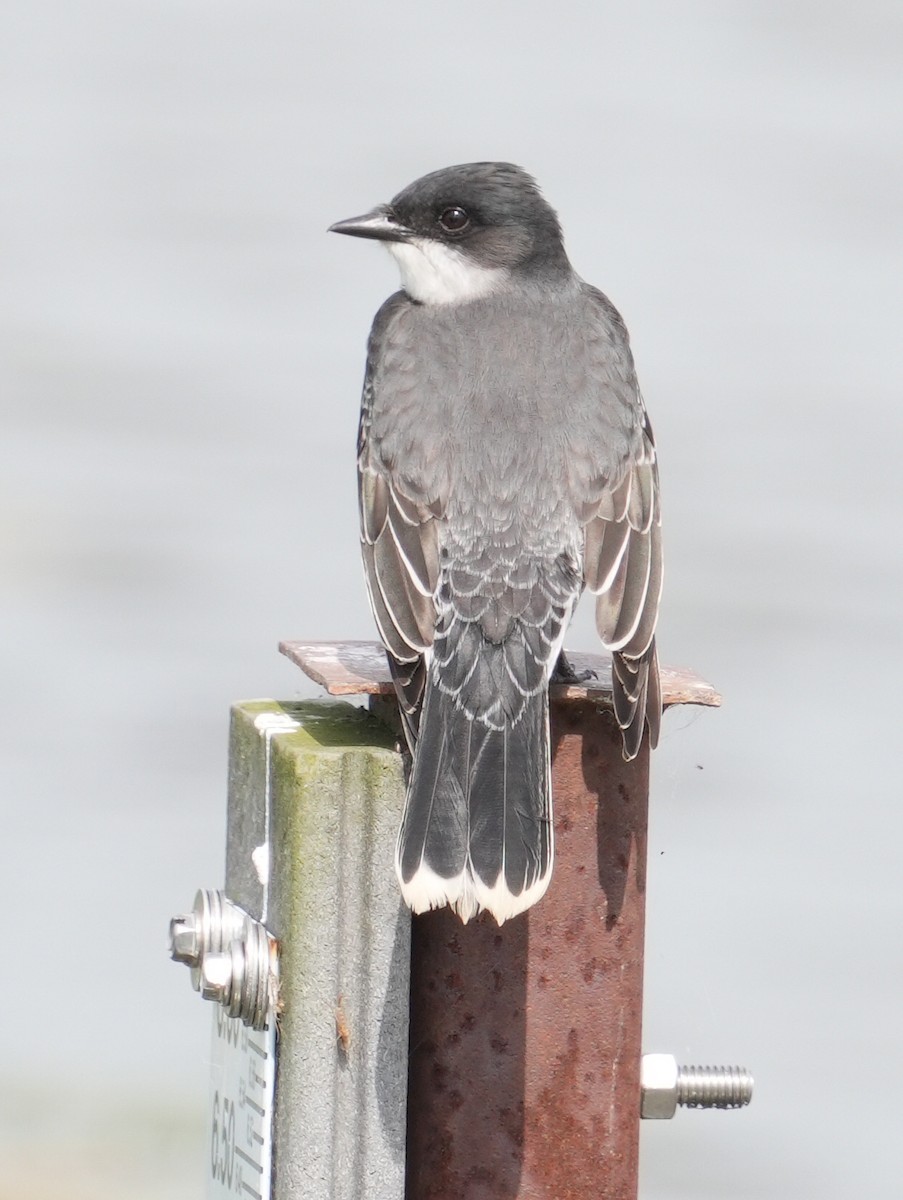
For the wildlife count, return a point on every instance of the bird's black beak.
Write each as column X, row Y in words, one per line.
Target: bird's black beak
column 381, row 224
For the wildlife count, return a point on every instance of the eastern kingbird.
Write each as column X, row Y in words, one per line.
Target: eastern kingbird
column 505, row 462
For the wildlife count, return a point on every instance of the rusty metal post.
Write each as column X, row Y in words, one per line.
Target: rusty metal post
column 525, row 1039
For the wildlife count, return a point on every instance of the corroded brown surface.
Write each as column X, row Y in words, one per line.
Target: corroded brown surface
column 468, row 1058
column 360, row 668
column 525, row 1039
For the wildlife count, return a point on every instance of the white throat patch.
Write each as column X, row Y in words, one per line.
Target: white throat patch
column 435, row 274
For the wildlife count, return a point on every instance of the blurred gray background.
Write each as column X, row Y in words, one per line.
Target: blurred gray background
column 182, row 349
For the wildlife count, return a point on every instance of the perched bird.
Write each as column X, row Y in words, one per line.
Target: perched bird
column 505, row 463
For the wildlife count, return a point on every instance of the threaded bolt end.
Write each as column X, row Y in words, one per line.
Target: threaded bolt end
column 714, row 1087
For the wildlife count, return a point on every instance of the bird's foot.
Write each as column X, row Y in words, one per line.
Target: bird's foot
column 565, row 673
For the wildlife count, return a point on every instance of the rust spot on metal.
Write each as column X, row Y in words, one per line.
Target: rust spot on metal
column 342, row 1028
column 533, row 1030
column 590, row 968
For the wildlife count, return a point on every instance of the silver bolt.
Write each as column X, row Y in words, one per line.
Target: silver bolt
column 232, row 958
column 216, row 977
column 714, row 1087
column 664, row 1085
column 184, row 939
column 211, row 925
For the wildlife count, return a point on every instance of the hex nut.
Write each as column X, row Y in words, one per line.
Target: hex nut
column 216, row 976
column 658, row 1086
column 184, row 939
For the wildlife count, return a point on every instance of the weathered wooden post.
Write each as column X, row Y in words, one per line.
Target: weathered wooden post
column 522, row 1071
column 315, row 792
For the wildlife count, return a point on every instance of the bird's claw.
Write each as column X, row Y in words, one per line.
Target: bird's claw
column 565, row 673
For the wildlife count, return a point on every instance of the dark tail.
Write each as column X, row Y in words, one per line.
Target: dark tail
column 477, row 825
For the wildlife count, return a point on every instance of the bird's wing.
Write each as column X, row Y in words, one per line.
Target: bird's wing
column 400, row 553
column 615, row 489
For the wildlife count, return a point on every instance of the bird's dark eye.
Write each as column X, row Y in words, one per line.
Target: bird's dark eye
column 454, row 219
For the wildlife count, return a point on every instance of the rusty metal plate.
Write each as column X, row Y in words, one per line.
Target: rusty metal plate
column 360, row 668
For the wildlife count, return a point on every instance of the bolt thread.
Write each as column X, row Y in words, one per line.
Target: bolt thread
column 714, row 1087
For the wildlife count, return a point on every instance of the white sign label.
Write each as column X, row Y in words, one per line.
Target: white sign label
column 240, row 1119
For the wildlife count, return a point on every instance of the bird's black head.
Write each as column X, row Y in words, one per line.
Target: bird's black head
column 493, row 211
column 463, row 231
